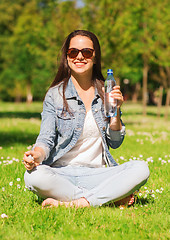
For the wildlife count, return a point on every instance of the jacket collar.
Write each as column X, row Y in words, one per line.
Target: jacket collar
column 71, row 91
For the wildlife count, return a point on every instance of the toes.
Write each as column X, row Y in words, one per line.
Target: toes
column 131, row 201
column 49, row 202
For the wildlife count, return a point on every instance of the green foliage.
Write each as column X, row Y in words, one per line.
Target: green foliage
column 32, row 33
column 146, row 139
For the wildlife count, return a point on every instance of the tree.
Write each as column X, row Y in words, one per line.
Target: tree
column 129, row 36
column 29, row 59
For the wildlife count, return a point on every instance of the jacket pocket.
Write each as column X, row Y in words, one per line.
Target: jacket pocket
column 65, row 123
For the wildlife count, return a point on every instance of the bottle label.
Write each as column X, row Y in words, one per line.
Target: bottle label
column 110, row 99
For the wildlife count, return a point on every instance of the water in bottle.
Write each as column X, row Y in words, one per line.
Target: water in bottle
column 110, row 104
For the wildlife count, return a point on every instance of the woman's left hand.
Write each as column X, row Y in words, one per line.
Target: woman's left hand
column 117, row 94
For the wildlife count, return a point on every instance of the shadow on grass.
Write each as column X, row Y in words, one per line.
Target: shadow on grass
column 152, row 114
column 11, row 138
column 138, row 201
column 24, row 115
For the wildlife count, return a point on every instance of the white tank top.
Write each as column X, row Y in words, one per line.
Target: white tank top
column 88, row 150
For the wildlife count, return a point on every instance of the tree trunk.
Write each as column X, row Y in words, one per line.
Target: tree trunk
column 136, row 92
column 167, row 93
column 160, row 101
column 167, row 104
column 29, row 93
column 145, row 80
column 18, row 98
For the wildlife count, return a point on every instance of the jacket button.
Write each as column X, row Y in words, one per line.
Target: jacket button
column 104, row 128
column 96, row 110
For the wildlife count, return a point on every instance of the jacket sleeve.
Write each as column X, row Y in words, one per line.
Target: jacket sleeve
column 47, row 135
column 115, row 138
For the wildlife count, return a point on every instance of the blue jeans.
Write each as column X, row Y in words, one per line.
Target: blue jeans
column 97, row 185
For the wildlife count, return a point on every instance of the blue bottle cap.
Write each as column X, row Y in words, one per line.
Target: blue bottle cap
column 109, row 71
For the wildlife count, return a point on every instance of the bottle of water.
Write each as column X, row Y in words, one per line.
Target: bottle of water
column 110, row 104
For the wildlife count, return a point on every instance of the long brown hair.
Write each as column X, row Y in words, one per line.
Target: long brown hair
column 64, row 72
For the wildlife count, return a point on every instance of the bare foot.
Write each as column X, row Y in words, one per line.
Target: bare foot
column 50, row 202
column 129, row 200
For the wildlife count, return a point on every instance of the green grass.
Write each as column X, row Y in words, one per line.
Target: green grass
column 148, row 139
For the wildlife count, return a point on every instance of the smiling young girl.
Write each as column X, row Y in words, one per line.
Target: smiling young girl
column 70, row 163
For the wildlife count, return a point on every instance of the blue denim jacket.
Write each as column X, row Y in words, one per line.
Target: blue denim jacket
column 59, row 132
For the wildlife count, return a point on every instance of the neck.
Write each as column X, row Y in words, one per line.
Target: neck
column 82, row 81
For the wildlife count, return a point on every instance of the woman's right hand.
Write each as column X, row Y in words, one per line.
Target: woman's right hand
column 33, row 158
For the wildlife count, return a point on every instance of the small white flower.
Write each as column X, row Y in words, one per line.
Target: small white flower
column 145, row 187
column 157, row 190
column 141, row 205
column 140, row 194
column 153, row 195
column 11, row 183
column 3, row 189
column 145, row 196
column 25, row 189
column 141, row 156
column 168, row 161
column 160, row 159
column 18, row 186
column 0, row 162
column 2, row 157
column 8, row 157
column 122, row 158
column 147, row 191
column 3, row 215
column 0, row 147
column 161, row 189
column 18, row 179
column 121, row 208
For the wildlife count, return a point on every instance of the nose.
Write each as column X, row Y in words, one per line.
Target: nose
column 80, row 55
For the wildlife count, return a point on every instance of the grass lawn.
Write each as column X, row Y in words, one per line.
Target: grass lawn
column 21, row 215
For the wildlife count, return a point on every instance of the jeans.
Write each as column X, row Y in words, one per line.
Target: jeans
column 97, row 185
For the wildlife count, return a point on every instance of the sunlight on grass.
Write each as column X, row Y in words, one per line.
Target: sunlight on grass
column 21, row 215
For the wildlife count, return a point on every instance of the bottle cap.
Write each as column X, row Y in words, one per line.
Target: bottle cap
column 109, row 71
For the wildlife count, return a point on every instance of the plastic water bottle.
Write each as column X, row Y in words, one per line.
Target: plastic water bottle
column 110, row 104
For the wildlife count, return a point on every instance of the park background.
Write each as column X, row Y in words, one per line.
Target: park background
column 134, row 38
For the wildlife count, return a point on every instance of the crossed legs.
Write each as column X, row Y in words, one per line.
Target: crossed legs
column 83, row 187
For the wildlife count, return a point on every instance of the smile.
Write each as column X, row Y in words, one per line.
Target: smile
column 80, row 64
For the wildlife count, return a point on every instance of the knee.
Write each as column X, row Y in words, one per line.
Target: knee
column 142, row 170
column 35, row 178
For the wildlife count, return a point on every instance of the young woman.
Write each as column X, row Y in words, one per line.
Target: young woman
column 70, row 163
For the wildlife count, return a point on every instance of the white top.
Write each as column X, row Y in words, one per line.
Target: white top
column 88, row 149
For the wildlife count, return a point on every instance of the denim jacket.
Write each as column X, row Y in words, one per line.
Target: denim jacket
column 60, row 131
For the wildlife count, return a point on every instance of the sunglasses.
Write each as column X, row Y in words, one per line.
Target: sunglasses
column 86, row 52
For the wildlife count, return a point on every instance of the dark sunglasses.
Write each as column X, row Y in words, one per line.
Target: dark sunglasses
column 86, row 52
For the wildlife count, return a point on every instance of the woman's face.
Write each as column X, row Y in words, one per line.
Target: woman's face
column 80, row 64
